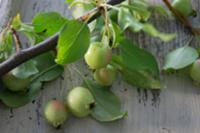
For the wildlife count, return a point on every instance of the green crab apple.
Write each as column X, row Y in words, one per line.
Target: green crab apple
column 105, row 76
column 98, row 55
column 195, row 71
column 80, row 102
column 184, row 7
column 55, row 113
column 14, row 83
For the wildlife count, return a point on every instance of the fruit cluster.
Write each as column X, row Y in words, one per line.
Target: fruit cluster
column 80, row 100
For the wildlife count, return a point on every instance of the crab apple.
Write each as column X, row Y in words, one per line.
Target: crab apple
column 80, row 102
column 184, row 7
column 55, row 113
column 98, row 56
column 195, row 71
column 14, row 83
column 105, row 76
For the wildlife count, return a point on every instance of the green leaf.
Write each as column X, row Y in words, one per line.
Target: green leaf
column 137, row 66
column 25, row 70
column 73, row 42
column 48, row 71
column 48, row 23
column 68, row 1
column 14, row 100
column 16, row 22
column 127, row 20
column 108, row 106
column 29, row 32
column 180, row 58
column 48, row 74
column 6, row 42
column 137, row 58
column 139, row 11
column 117, row 34
column 151, row 30
column 44, row 60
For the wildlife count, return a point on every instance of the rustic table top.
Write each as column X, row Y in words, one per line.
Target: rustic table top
column 173, row 110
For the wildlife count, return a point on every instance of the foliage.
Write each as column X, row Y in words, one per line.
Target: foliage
column 137, row 66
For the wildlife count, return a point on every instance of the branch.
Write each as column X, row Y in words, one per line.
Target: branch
column 45, row 46
column 181, row 18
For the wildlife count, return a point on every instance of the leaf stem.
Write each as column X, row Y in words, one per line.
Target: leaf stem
column 82, row 76
column 189, row 41
column 16, row 39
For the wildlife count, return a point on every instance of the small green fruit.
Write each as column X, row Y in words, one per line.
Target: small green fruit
column 98, row 56
column 105, row 76
column 55, row 113
column 195, row 71
column 80, row 101
column 184, row 7
column 15, row 84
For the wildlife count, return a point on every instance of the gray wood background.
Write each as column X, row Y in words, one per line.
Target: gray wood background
column 174, row 110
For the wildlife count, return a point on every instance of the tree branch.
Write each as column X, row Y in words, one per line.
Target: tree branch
column 45, row 46
column 181, row 18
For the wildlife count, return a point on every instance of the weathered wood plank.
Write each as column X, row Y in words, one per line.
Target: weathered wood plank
column 174, row 110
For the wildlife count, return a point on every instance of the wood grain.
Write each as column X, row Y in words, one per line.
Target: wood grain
column 173, row 110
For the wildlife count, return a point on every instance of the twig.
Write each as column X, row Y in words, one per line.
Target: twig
column 16, row 39
column 181, row 18
column 42, row 47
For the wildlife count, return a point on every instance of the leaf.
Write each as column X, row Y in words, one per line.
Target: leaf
column 16, row 22
column 29, row 32
column 44, row 60
column 180, row 58
column 139, row 11
column 73, row 42
column 48, row 23
column 117, row 34
column 142, row 79
column 6, row 42
column 108, row 106
column 25, row 70
column 48, row 71
column 151, row 30
column 137, row 66
column 48, row 74
column 137, row 58
column 14, row 100
column 127, row 20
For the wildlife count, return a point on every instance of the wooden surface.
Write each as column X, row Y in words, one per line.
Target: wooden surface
column 174, row 110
